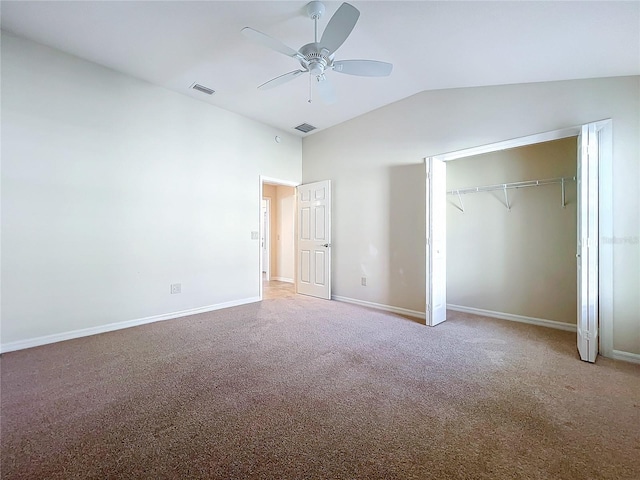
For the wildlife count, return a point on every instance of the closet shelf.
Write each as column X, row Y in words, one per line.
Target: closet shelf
column 508, row 186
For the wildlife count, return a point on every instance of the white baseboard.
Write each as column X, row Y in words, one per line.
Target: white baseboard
column 626, row 356
column 59, row 337
column 379, row 306
column 84, row 332
column 283, row 279
column 514, row 318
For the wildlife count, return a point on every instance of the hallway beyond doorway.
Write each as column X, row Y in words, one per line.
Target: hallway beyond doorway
column 275, row 289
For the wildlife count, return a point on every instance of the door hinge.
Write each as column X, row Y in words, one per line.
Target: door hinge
column 428, row 307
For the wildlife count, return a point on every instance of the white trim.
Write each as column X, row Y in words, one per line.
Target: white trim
column 514, row 318
column 379, row 306
column 513, row 143
column 260, row 233
column 85, row 332
column 283, row 279
column 625, row 356
column 265, row 233
column 277, row 181
column 605, row 227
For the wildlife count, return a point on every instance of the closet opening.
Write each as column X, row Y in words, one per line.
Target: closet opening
column 513, row 232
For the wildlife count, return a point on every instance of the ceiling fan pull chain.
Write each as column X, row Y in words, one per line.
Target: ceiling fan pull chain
column 310, row 88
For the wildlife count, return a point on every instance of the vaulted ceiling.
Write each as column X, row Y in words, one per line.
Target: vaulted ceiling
column 432, row 45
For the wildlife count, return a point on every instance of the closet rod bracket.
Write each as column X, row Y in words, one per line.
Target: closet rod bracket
column 461, row 207
column 506, row 196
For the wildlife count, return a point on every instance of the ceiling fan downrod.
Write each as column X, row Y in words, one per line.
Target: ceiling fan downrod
column 315, row 10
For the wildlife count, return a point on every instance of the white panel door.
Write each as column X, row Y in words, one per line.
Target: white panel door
column 436, row 311
column 314, row 239
column 587, row 238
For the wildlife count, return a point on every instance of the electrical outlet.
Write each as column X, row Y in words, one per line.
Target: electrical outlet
column 363, row 281
column 176, row 288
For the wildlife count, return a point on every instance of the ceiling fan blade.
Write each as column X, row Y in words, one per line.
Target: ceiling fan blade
column 269, row 42
column 274, row 82
column 326, row 91
column 339, row 27
column 363, row 68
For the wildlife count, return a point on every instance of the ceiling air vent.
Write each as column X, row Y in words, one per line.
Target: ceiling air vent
column 203, row 89
column 305, row 128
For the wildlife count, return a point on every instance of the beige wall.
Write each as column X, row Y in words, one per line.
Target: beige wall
column 270, row 192
column 285, row 199
column 519, row 261
column 376, row 165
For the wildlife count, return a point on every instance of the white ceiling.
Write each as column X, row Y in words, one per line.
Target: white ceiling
column 433, row 45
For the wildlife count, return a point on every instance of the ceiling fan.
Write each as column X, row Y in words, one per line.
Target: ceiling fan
column 318, row 57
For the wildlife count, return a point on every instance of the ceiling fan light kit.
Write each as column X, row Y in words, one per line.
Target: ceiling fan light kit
column 317, row 58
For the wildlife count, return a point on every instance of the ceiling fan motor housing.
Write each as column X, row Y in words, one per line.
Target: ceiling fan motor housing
column 316, row 58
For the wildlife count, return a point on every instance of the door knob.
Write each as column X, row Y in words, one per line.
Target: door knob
column 325, row 245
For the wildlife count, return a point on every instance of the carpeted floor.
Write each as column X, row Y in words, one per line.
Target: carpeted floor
column 300, row 388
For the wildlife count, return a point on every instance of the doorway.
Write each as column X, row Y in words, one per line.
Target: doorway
column 277, row 237
column 594, row 260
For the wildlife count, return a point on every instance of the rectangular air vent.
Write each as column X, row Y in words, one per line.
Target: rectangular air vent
column 305, row 128
column 203, row 89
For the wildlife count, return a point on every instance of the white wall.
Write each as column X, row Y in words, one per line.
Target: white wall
column 375, row 163
column 113, row 189
column 520, row 261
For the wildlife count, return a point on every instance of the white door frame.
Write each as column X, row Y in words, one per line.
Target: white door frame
column 272, row 181
column 265, row 236
column 605, row 211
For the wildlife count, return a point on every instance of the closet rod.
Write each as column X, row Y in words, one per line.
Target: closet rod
column 507, row 186
column 503, row 186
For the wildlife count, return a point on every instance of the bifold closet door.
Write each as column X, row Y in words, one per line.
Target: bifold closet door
column 587, row 238
column 436, row 208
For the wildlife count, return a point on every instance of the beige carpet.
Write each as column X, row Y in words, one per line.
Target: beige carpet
column 300, row 388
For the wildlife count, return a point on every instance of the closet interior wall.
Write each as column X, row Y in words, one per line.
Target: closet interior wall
column 518, row 260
